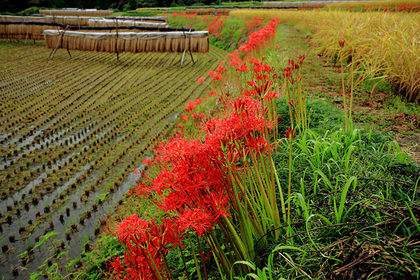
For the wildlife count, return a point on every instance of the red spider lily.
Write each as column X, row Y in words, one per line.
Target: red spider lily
column 270, row 95
column 147, row 244
column 191, row 105
column 290, row 133
column 253, row 25
column 341, row 43
column 301, row 59
column 243, row 68
column 184, row 118
column 147, row 161
column 291, row 81
column 215, row 27
column 217, row 77
column 201, row 80
column 212, row 93
column 196, row 220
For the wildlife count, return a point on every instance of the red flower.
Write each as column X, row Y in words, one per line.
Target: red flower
column 290, row 133
column 147, row 161
column 201, row 80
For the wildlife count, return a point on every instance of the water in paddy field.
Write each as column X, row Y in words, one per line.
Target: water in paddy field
column 65, row 239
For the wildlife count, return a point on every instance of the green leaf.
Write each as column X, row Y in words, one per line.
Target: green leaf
column 44, row 238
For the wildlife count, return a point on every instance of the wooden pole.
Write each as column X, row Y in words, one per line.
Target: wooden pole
column 192, row 58
column 59, row 43
column 116, row 39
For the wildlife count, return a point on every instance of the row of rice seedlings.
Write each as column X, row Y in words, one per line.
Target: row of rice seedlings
column 46, row 101
column 78, row 105
column 139, row 126
column 386, row 44
column 46, row 208
column 111, row 189
column 60, row 65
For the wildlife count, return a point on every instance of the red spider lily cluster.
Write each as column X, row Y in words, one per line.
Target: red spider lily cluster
column 193, row 185
column 296, row 96
column 146, row 244
column 260, row 37
column 253, row 25
column 256, row 41
column 216, row 26
column 191, row 105
column 292, row 66
column 219, row 72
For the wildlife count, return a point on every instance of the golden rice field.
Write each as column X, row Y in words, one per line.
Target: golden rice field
column 386, row 44
column 72, row 131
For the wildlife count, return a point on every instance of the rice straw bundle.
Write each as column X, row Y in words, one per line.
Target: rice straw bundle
column 19, row 18
column 66, row 20
column 76, row 12
column 34, row 30
column 195, row 41
column 147, row 19
column 69, row 20
column 115, row 22
column 23, row 30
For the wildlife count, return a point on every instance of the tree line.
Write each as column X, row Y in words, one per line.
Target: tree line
column 14, row 6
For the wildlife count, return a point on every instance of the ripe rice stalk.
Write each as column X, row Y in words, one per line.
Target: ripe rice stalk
column 386, row 44
column 374, row 4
